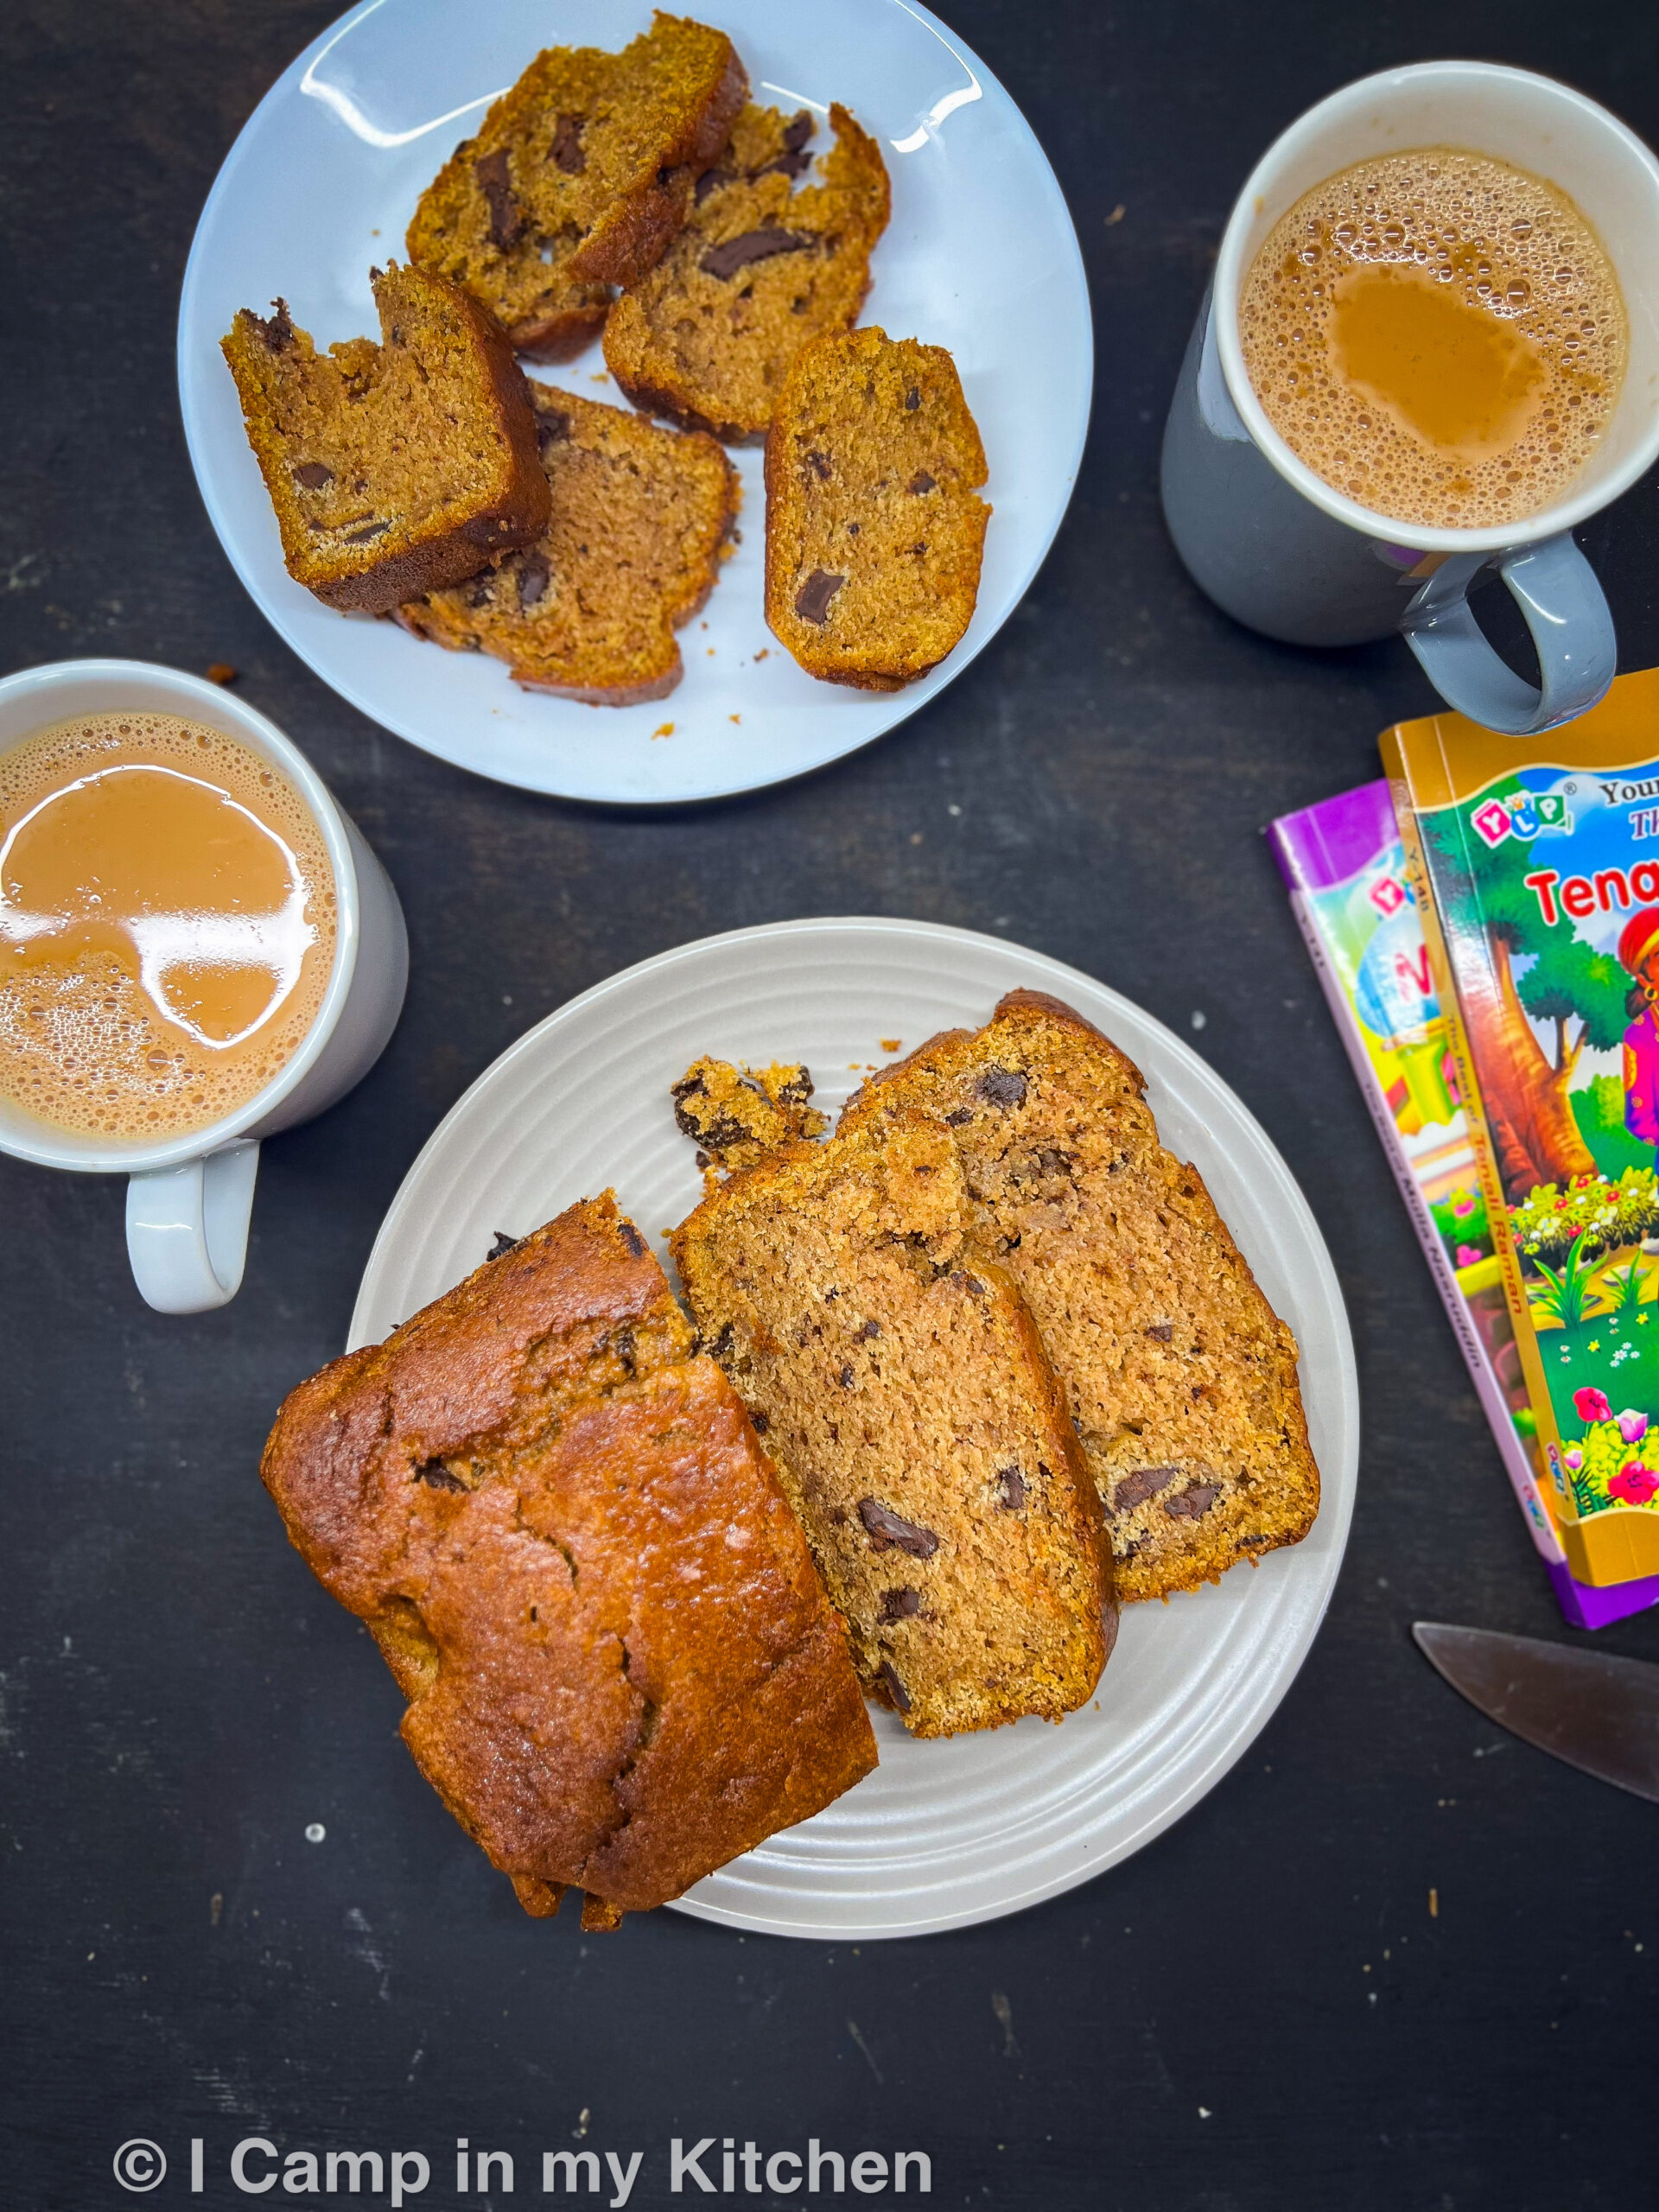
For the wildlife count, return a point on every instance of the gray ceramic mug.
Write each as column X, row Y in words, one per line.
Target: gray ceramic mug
column 1283, row 552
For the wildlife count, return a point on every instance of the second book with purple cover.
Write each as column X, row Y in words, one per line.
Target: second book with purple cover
column 1344, row 865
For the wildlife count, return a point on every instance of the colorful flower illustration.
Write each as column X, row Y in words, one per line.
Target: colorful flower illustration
column 1463, row 1203
column 1632, row 1425
column 1633, row 1484
column 1470, row 1255
column 1591, row 1405
column 1574, row 1459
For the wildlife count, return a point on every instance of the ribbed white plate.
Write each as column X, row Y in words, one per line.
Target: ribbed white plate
column 980, row 257
column 943, row 1833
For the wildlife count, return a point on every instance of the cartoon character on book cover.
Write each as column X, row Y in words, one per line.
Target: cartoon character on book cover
column 1547, row 883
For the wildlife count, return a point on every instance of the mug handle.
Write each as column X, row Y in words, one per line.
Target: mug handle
column 187, row 1228
column 1566, row 614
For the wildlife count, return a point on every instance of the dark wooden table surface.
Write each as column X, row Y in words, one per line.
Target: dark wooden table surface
column 1260, row 2012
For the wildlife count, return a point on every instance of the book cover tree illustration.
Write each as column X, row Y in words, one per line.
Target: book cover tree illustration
column 1544, row 885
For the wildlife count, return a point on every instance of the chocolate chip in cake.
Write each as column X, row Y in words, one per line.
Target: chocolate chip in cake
column 845, row 1378
column 870, row 1329
column 725, row 259
column 314, row 474
column 1002, row 1087
column 567, row 146
column 533, row 573
column 920, row 482
column 711, row 181
column 702, row 1157
column 625, row 1348
column 552, row 424
column 495, row 182
column 369, row 529
column 962, row 1116
column 901, row 1605
column 818, row 463
column 1011, row 1489
column 1162, row 1329
column 887, row 1528
column 503, row 1243
column 276, row 331
column 761, row 1423
column 1135, row 1488
column 812, row 601
column 437, row 1476
column 794, row 158
column 896, row 1689
column 1192, row 1503
column 633, row 1239
column 912, row 400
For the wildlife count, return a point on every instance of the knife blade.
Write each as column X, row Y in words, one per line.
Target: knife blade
column 1597, row 1713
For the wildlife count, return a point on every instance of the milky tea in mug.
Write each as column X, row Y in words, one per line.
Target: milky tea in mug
column 167, row 925
column 1437, row 334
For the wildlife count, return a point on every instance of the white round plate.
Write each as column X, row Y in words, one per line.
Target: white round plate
column 980, row 257
column 944, row 1834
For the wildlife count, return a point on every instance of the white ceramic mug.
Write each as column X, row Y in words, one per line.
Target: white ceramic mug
column 1281, row 550
column 189, row 1197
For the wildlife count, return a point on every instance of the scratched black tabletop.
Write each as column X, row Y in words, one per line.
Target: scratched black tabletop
column 1263, row 2011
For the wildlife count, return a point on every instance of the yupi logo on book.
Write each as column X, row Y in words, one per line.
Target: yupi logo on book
column 1523, row 814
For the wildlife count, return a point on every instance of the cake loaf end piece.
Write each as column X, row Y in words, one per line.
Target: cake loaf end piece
column 562, row 1531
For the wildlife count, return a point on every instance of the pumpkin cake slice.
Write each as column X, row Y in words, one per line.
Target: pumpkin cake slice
column 903, row 1395
column 1182, row 1380
column 559, row 1525
column 763, row 265
column 639, row 522
column 394, row 468
column 875, row 528
column 578, row 178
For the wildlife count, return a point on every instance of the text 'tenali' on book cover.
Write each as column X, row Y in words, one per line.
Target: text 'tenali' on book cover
column 1540, row 858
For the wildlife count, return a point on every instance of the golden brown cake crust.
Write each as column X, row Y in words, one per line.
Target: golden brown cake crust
column 638, row 529
column 578, row 178
column 578, row 1562
column 1182, row 1382
column 914, row 1422
column 875, row 528
column 705, row 337
column 395, row 468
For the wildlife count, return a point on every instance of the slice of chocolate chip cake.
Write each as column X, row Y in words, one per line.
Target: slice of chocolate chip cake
column 638, row 526
column 903, row 1394
column 394, row 468
column 772, row 254
column 1182, row 1380
column 577, row 179
column 874, row 525
column 570, row 1547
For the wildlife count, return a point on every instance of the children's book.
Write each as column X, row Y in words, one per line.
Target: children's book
column 1343, row 864
column 1536, row 866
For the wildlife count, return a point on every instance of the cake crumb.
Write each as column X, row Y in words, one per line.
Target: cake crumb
column 220, row 671
column 733, row 718
column 1433, row 1904
column 892, row 1044
column 765, row 653
column 665, row 730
